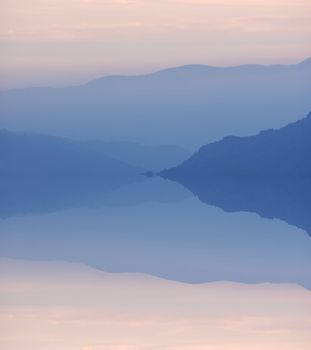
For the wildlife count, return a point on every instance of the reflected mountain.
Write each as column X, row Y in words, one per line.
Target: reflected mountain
column 184, row 241
column 45, row 173
column 44, row 195
column 269, row 174
column 118, row 222
column 41, row 173
column 284, row 198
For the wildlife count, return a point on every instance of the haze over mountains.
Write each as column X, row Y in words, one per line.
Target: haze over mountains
column 44, row 153
column 186, row 106
column 31, row 155
column 151, row 158
column 268, row 173
column 113, row 213
column 41, row 173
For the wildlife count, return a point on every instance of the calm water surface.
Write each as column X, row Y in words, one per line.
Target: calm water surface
column 58, row 239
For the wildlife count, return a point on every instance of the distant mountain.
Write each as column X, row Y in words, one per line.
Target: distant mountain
column 269, row 174
column 153, row 158
column 146, row 157
column 184, row 105
column 23, row 154
column 38, row 172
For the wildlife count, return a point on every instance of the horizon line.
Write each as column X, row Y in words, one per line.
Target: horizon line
column 151, row 72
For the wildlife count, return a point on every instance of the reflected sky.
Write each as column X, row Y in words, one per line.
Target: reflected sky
column 62, row 306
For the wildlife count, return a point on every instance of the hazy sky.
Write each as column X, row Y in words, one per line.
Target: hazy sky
column 57, row 42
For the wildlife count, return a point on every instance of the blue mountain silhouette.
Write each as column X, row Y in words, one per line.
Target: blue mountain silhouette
column 269, row 174
column 184, row 106
column 44, row 173
column 32, row 155
column 40, row 173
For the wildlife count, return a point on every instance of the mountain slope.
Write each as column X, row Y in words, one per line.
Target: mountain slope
column 153, row 158
column 40, row 173
column 269, row 174
column 37, row 172
column 41, row 155
column 184, row 105
column 283, row 151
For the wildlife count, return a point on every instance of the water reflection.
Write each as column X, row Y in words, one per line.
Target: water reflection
column 273, row 197
column 56, row 306
column 45, row 195
column 156, row 227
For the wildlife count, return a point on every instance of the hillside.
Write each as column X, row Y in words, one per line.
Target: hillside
column 268, row 174
column 284, row 152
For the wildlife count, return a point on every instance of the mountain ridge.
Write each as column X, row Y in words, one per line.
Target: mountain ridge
column 182, row 68
column 292, row 140
column 184, row 106
column 269, row 174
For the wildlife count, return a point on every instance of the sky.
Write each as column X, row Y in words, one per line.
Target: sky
column 61, row 42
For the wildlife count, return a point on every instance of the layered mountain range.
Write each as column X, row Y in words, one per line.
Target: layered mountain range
column 184, row 106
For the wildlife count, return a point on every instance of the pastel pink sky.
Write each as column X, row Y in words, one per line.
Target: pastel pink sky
column 62, row 306
column 55, row 42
